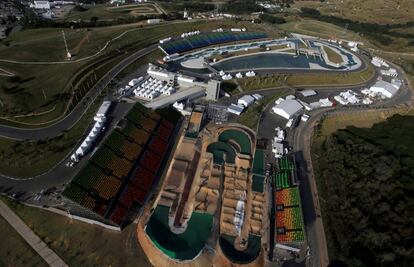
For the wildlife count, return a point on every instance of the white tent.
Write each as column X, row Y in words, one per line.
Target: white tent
column 103, row 109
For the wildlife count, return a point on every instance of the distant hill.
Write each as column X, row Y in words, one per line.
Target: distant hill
column 372, row 11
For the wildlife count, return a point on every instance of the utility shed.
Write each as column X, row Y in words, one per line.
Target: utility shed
column 384, row 88
column 288, row 108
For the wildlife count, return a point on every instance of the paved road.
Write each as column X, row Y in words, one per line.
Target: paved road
column 30, row 237
column 76, row 114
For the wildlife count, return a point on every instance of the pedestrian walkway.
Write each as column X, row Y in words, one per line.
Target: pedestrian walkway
column 31, row 238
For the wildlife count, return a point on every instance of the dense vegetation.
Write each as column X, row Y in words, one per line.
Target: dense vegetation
column 241, row 7
column 367, row 184
column 272, row 19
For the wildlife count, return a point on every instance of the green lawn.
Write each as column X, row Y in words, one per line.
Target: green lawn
column 333, row 56
column 81, row 244
column 306, row 79
column 14, row 249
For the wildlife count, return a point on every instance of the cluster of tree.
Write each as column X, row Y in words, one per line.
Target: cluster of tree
column 240, row 7
column 367, row 178
column 381, row 33
column 193, row 6
column 272, row 19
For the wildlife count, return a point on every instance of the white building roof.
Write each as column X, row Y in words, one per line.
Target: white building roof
column 396, row 83
column 246, row 100
column 257, row 96
column 341, row 100
column 307, row 93
column 287, row 108
column 325, row 102
column 103, row 109
column 384, row 88
column 235, row 109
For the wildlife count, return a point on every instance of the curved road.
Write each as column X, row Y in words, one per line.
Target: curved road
column 74, row 116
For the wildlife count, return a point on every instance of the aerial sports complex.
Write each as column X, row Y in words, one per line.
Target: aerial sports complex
column 200, row 190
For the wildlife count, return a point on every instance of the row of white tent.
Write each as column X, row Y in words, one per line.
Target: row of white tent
column 379, row 62
column 390, row 72
column 242, row 103
column 93, row 134
column 226, row 76
column 186, row 34
column 152, row 88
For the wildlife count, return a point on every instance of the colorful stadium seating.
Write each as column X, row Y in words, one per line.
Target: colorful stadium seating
column 122, row 171
column 142, row 178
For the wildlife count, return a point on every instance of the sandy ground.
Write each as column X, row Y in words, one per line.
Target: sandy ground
column 221, row 200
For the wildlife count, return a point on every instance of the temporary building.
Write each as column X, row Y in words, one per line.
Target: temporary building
column 305, row 105
column 396, row 83
column 235, row 109
column 341, row 100
column 257, row 96
column 288, row 108
column 384, row 88
column 279, row 100
column 103, row 109
column 307, row 93
column 245, row 100
column 367, row 101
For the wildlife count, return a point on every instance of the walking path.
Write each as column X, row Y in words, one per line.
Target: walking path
column 31, row 238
